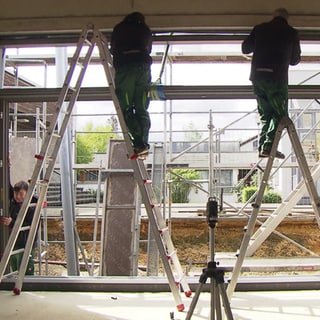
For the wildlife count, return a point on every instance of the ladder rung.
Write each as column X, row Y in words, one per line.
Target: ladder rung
column 170, row 255
column 39, row 156
column 88, row 42
column 25, row 228
column 17, row 251
column 8, row 275
column 56, row 135
column 162, row 231
column 129, row 207
column 72, row 88
column 177, row 282
column 43, row 253
column 109, row 171
column 66, row 113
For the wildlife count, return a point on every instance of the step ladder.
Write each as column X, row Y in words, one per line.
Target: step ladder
column 157, row 223
column 46, row 159
column 89, row 39
column 307, row 181
column 269, row 225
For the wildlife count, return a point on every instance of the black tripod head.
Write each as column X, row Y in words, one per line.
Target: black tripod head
column 212, row 212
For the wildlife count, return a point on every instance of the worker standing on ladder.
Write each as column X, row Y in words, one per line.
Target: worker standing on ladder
column 19, row 193
column 131, row 44
column 275, row 46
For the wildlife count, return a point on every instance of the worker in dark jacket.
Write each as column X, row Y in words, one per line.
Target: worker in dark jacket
column 275, row 46
column 131, row 43
column 19, row 193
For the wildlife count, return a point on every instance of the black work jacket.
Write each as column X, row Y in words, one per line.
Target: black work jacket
column 275, row 46
column 131, row 42
column 13, row 212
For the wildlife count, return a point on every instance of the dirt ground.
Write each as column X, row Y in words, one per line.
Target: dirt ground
column 191, row 239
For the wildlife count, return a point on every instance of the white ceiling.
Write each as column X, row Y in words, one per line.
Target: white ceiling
column 45, row 16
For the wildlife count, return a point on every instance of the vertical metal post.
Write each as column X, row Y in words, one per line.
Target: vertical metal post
column 67, row 193
column 211, row 179
column 2, row 66
column 4, row 171
column 4, row 147
column 211, row 230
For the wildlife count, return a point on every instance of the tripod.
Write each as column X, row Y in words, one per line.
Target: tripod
column 216, row 275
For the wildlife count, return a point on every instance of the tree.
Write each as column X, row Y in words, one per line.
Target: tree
column 84, row 150
column 192, row 134
column 181, row 184
column 92, row 140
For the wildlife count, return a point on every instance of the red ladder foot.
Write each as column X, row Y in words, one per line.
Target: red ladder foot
column 180, row 307
column 138, row 157
column 16, row 291
column 188, row 293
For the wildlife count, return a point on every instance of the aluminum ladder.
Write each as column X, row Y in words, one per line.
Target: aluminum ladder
column 91, row 37
column 47, row 157
column 308, row 181
column 158, row 225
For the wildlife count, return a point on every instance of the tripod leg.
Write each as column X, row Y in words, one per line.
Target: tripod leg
column 225, row 301
column 215, row 312
column 218, row 302
column 194, row 301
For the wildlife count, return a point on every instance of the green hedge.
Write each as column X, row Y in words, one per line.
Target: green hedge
column 268, row 197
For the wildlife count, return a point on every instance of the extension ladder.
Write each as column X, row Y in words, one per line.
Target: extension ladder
column 90, row 37
column 307, row 180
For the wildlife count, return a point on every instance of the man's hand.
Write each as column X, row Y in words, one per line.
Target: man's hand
column 5, row 220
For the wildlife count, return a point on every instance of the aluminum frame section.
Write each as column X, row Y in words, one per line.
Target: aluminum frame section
column 71, row 38
column 67, row 192
column 4, row 172
column 171, row 93
column 159, row 284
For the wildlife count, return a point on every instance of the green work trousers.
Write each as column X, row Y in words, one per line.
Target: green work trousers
column 132, row 84
column 16, row 259
column 272, row 99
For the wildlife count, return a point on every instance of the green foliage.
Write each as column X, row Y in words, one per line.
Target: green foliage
column 269, row 196
column 247, row 192
column 84, row 150
column 191, row 134
column 180, row 187
column 92, row 140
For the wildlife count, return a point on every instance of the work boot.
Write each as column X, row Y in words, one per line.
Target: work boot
column 266, row 154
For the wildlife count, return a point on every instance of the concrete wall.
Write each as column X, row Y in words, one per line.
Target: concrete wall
column 47, row 15
column 22, row 151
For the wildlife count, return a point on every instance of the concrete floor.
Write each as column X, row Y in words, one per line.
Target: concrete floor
column 279, row 305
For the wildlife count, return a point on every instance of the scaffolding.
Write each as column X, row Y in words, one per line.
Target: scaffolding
column 174, row 93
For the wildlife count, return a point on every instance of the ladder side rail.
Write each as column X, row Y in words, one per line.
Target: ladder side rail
column 106, row 61
column 69, row 75
column 279, row 214
column 13, row 236
column 66, row 118
column 138, row 165
column 30, row 240
column 15, row 230
column 37, row 169
column 303, row 165
column 62, row 96
column 161, row 230
column 156, row 231
column 40, row 162
column 256, row 207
